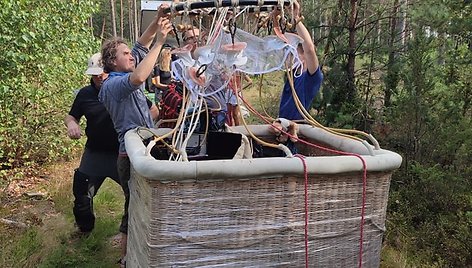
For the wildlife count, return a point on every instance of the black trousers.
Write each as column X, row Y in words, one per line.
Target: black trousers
column 84, row 189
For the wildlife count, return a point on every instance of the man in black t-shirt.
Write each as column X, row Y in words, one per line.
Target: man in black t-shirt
column 100, row 154
column 101, row 149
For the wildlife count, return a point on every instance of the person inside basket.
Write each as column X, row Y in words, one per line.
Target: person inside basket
column 232, row 104
column 123, row 93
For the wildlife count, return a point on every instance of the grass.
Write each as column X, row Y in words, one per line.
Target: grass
column 391, row 258
column 264, row 99
column 48, row 242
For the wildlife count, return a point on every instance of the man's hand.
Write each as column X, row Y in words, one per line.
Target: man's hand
column 73, row 127
column 296, row 10
column 275, row 16
column 154, row 111
column 160, row 12
column 150, row 33
column 164, row 26
column 73, row 130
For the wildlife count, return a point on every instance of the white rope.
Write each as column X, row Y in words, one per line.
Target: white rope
column 212, row 26
column 173, row 9
column 200, row 35
column 192, row 123
column 199, row 94
column 234, row 3
column 292, row 12
column 186, row 8
column 219, row 23
column 241, row 12
column 178, row 138
column 215, row 23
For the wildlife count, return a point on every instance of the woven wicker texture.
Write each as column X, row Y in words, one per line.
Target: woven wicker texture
column 258, row 222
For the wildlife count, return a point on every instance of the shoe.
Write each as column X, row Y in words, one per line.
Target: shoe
column 78, row 234
column 122, row 262
column 115, row 241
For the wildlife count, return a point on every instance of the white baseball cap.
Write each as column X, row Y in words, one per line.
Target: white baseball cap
column 95, row 65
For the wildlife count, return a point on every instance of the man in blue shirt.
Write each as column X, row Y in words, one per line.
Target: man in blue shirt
column 308, row 83
column 123, row 93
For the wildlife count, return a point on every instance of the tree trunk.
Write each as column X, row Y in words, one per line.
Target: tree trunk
column 392, row 72
column 130, row 21
column 121, row 19
column 136, row 25
column 103, row 29
column 331, row 31
column 404, row 22
column 113, row 18
column 351, row 57
column 91, row 24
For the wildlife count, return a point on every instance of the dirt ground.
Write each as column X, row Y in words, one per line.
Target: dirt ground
column 41, row 202
column 27, row 201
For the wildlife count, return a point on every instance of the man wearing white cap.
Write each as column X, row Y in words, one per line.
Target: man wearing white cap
column 101, row 149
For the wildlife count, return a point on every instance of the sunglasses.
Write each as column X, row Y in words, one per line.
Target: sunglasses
column 187, row 38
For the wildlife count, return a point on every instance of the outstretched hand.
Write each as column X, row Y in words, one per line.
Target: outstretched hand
column 296, row 9
column 162, row 21
column 276, row 13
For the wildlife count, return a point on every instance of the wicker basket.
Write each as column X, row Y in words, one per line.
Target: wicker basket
column 242, row 213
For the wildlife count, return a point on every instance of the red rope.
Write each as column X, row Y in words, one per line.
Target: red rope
column 364, row 172
column 305, row 172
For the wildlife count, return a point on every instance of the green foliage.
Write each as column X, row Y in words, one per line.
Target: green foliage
column 433, row 209
column 265, row 97
column 346, row 99
column 453, row 17
column 430, row 201
column 46, row 45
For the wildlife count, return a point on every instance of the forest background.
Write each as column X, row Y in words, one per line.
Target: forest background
column 399, row 69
